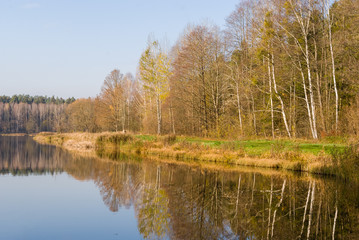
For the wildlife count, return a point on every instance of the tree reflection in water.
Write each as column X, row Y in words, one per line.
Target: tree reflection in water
column 23, row 156
column 185, row 202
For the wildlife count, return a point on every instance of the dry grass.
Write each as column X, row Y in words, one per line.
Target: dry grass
column 81, row 142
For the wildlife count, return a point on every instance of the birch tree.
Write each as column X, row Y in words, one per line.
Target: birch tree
column 330, row 23
column 155, row 71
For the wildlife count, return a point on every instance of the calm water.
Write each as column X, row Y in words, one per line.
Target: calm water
column 46, row 193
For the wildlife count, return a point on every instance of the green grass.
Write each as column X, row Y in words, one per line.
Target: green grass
column 258, row 147
column 146, row 137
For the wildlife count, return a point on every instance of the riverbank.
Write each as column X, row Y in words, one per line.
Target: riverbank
column 295, row 155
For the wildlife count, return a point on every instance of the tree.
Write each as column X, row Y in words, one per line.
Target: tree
column 109, row 104
column 154, row 69
column 81, row 115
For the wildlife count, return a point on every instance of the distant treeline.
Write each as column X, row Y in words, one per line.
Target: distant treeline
column 35, row 99
column 27, row 114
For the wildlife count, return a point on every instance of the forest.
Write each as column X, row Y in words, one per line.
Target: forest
column 279, row 68
column 27, row 114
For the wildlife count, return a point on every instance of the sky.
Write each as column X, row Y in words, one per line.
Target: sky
column 66, row 48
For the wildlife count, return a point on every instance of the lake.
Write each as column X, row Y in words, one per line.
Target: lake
column 48, row 193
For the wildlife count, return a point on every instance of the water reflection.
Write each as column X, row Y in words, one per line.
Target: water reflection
column 174, row 201
column 22, row 156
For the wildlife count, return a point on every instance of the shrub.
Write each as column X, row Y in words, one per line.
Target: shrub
column 119, row 138
column 112, row 141
column 293, row 155
column 169, row 140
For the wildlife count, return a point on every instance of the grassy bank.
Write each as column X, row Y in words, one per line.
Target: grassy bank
column 296, row 155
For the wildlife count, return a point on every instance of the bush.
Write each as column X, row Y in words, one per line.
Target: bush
column 293, row 155
column 114, row 140
column 169, row 140
column 120, row 138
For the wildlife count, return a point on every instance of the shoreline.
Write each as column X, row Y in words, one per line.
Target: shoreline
column 180, row 149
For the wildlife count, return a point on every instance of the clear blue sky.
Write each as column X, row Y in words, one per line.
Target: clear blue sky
column 67, row 47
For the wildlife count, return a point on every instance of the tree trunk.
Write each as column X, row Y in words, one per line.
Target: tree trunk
column 310, row 85
column 159, row 115
column 239, row 108
column 307, row 102
column 128, row 115
column 123, row 117
column 318, row 83
column 280, row 100
column 271, row 98
column 204, row 99
column 333, row 72
column 172, row 118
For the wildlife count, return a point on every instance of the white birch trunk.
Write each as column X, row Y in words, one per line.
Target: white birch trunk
column 159, row 115
column 304, row 20
column 280, row 99
column 311, row 93
column 307, row 102
column 239, row 108
column 333, row 70
column 270, row 97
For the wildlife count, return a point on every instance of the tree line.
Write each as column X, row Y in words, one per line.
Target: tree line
column 25, row 98
column 30, row 114
column 279, row 68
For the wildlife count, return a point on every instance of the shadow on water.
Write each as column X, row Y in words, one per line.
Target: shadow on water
column 178, row 201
